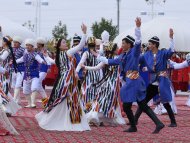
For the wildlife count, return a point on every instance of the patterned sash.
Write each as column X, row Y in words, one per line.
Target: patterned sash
column 132, row 74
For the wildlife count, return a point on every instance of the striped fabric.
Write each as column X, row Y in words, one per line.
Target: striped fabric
column 132, row 74
column 66, row 89
column 18, row 52
column 5, row 81
column 89, row 92
column 108, row 94
column 4, row 97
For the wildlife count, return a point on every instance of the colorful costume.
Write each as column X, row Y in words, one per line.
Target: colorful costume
column 63, row 111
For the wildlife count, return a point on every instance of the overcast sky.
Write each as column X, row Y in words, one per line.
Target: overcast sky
column 74, row 12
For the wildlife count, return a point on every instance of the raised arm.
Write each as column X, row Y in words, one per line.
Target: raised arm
column 137, row 47
column 81, row 45
column 171, row 49
column 95, row 68
column 82, row 61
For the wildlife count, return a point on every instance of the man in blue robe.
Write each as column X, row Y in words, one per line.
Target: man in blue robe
column 156, row 63
column 134, row 90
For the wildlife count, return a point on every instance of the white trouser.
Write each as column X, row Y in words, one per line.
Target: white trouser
column 30, row 86
column 42, row 92
column 16, row 84
column 17, row 79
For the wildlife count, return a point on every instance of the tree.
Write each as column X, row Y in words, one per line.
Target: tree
column 60, row 31
column 98, row 28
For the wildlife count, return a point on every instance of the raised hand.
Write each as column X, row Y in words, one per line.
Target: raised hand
column 171, row 33
column 138, row 22
column 84, row 28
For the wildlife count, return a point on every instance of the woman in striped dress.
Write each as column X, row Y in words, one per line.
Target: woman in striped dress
column 106, row 108
column 89, row 92
column 5, row 57
column 5, row 125
column 63, row 111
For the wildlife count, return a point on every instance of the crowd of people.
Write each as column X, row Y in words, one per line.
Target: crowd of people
column 94, row 78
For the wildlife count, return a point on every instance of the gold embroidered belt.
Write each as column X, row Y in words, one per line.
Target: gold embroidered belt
column 132, row 74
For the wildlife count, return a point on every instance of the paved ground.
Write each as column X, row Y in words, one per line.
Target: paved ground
column 30, row 132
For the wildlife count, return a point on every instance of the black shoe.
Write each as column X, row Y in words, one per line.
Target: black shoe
column 171, row 115
column 8, row 114
column 131, row 129
column 158, row 128
column 101, row 124
column 173, row 125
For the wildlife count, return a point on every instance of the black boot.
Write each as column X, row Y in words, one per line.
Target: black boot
column 171, row 115
column 150, row 113
column 151, row 91
column 137, row 115
column 130, row 116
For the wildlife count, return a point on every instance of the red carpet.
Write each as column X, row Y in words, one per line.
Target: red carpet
column 30, row 132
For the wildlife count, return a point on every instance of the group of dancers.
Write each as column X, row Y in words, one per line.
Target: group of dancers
column 92, row 80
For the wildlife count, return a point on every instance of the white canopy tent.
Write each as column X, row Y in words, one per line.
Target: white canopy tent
column 160, row 27
column 14, row 29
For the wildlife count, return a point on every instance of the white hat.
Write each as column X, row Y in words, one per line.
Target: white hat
column 30, row 42
column 105, row 36
column 17, row 39
column 41, row 40
column 98, row 42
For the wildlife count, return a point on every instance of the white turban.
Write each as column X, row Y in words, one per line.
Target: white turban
column 41, row 40
column 105, row 36
column 30, row 42
column 17, row 39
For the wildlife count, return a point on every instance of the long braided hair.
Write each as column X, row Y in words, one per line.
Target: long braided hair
column 57, row 62
column 8, row 40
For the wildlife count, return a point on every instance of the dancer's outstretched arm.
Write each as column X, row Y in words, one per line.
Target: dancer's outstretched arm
column 81, row 45
column 95, row 68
